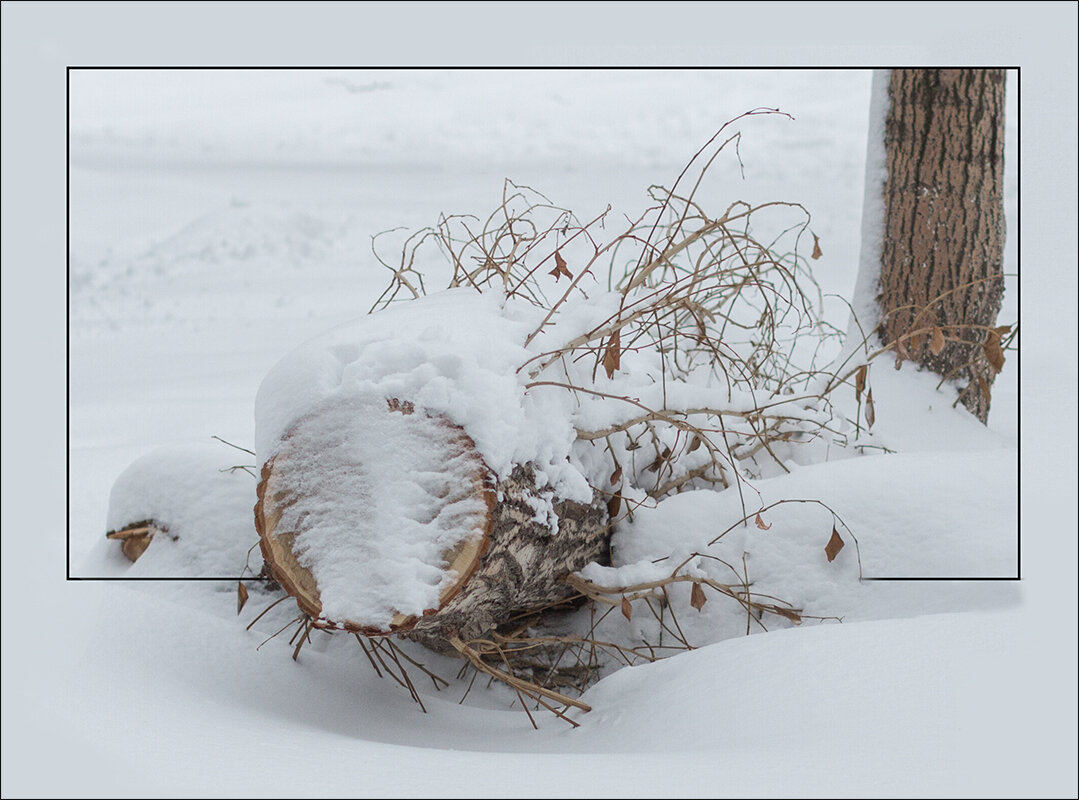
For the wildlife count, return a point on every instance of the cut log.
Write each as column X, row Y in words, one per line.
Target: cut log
column 384, row 519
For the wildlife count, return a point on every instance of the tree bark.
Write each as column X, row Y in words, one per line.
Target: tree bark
column 942, row 249
column 510, row 562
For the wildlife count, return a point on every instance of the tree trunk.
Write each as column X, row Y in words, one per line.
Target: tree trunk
column 508, row 543
column 942, row 246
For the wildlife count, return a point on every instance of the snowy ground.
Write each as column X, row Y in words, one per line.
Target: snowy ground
column 217, row 220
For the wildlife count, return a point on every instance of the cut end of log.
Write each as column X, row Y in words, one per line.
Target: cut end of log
column 356, row 490
column 135, row 537
column 352, row 475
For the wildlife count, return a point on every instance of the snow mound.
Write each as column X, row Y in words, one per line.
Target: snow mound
column 453, row 354
column 202, row 502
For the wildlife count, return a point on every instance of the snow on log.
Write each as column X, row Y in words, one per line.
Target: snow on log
column 387, row 508
column 409, row 487
column 386, row 520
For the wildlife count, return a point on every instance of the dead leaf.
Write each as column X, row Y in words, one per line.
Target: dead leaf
column 612, row 357
column 694, row 444
column 870, row 412
column 816, row 248
column 835, row 544
column 901, row 353
column 993, row 353
column 761, row 523
column 697, row 598
column 983, row 384
column 241, row 596
column 859, row 380
column 789, row 613
column 613, row 505
column 616, row 476
column 560, row 267
column 936, row 341
column 627, row 609
column 660, row 459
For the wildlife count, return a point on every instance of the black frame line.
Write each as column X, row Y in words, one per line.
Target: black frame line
column 529, row 68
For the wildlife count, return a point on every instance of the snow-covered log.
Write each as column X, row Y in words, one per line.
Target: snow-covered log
column 408, row 483
column 386, row 520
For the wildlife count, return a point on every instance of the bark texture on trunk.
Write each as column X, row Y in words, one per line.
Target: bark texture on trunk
column 941, row 275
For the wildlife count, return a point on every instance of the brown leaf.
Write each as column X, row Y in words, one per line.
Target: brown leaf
column 761, row 523
column 241, row 596
column 612, row 357
column 816, row 248
column 613, row 505
column 694, row 444
column 983, row 384
column 859, row 380
column 789, row 613
column 870, row 412
column 993, row 354
column 658, row 462
column 901, row 352
column 936, row 341
column 627, row 609
column 560, row 267
column 616, row 476
column 697, row 598
column 835, row 544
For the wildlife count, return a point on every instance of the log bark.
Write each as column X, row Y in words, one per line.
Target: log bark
column 941, row 266
column 509, row 562
column 524, row 563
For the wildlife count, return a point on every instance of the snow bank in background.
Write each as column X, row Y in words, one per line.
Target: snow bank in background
column 416, row 117
column 205, row 505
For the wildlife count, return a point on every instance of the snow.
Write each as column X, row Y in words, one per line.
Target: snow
column 201, row 494
column 864, row 312
column 454, row 354
column 218, row 221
